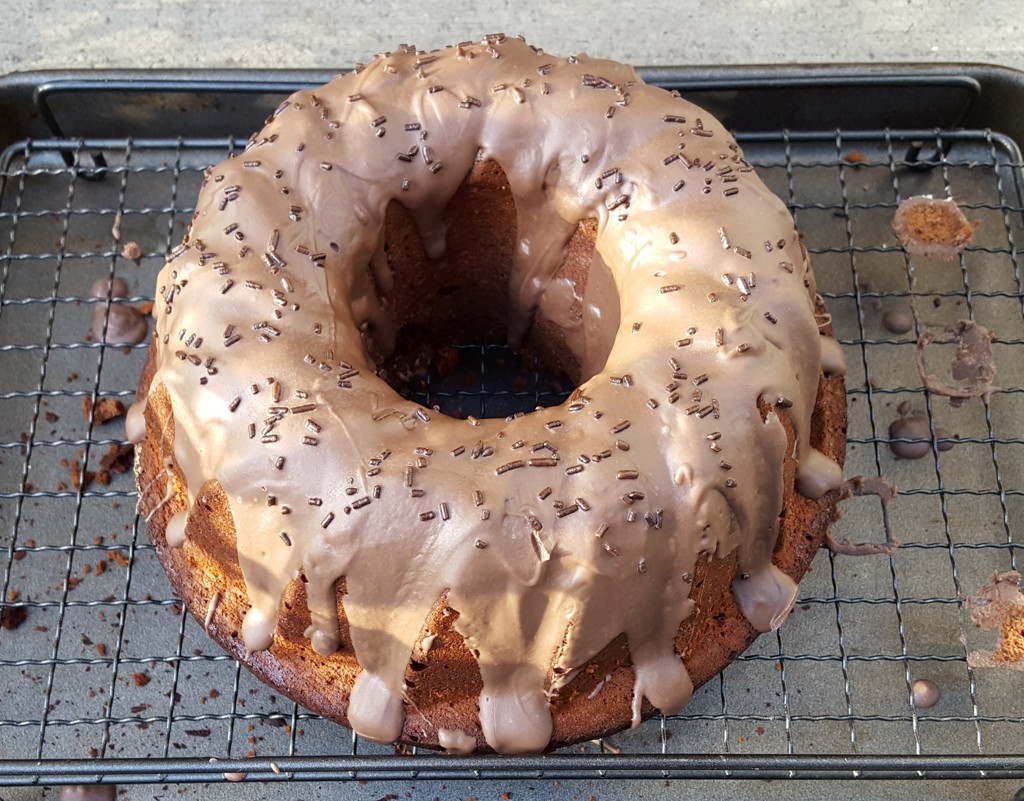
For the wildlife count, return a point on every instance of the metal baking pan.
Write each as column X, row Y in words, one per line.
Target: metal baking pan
column 107, row 679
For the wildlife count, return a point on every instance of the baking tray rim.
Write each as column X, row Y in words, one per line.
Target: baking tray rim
column 991, row 96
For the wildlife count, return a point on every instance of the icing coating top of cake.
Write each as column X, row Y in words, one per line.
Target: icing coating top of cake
column 550, row 533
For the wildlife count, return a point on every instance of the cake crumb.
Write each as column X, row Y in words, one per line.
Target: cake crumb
column 81, row 479
column 932, row 228
column 132, row 251
column 999, row 604
column 103, row 410
column 12, row 617
column 118, row 459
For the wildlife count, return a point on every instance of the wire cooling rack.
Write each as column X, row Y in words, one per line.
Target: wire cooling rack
column 104, row 677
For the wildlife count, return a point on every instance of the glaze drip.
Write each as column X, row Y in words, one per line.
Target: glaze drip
column 661, row 457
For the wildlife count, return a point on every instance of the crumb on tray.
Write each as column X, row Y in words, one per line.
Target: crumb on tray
column 999, row 604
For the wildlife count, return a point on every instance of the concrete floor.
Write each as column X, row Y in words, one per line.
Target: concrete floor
column 262, row 33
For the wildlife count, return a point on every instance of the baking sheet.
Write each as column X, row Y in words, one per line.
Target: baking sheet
column 108, row 667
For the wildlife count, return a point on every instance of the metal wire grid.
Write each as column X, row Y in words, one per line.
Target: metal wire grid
column 108, row 676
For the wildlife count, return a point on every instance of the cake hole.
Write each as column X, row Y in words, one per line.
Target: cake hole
column 442, row 340
column 479, row 381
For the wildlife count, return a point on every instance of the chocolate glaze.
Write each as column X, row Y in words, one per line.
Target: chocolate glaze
column 88, row 792
column 912, row 425
column 898, row 321
column 267, row 315
column 917, row 431
column 121, row 323
column 885, row 490
column 456, row 741
column 973, row 366
column 926, row 693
